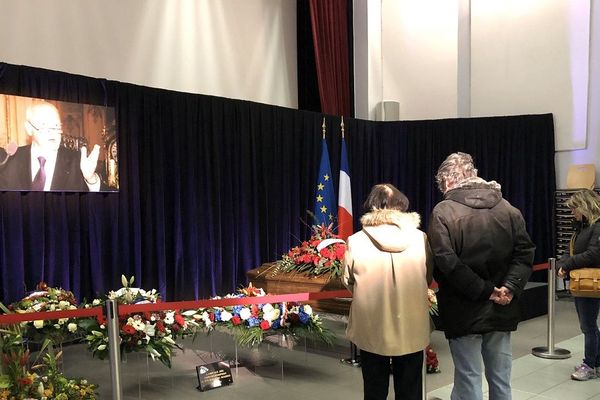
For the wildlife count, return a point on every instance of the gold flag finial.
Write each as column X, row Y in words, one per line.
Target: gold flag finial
column 323, row 126
column 342, row 126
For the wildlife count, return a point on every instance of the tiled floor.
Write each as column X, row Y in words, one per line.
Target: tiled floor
column 311, row 371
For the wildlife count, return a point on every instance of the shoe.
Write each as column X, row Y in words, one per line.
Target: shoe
column 584, row 373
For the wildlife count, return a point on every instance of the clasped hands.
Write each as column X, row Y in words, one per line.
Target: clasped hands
column 502, row 296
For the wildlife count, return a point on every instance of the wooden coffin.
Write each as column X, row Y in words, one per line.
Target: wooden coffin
column 272, row 281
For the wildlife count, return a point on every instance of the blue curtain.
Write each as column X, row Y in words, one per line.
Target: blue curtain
column 213, row 187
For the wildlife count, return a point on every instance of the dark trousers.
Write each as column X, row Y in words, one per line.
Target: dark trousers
column 407, row 371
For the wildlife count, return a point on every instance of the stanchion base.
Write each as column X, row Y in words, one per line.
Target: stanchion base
column 556, row 354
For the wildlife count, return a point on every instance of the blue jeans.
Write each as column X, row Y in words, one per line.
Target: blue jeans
column 467, row 354
column 587, row 311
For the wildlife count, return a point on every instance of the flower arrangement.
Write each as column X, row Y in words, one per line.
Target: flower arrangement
column 46, row 298
column 251, row 323
column 322, row 253
column 431, row 361
column 152, row 332
column 19, row 380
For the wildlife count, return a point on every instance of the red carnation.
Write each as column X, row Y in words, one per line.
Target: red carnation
column 236, row 320
column 180, row 320
column 160, row 326
column 294, row 318
column 340, row 252
column 265, row 325
column 128, row 329
column 254, row 310
column 175, row 328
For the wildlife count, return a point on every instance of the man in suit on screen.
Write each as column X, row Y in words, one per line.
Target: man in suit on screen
column 45, row 165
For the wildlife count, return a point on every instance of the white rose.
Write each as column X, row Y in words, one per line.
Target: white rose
column 96, row 302
column 62, row 321
column 63, row 304
column 245, row 313
column 272, row 315
column 226, row 316
column 39, row 324
column 308, row 309
column 72, row 327
column 267, row 308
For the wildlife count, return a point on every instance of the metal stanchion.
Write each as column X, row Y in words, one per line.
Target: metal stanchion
column 424, row 377
column 354, row 359
column 112, row 317
column 550, row 351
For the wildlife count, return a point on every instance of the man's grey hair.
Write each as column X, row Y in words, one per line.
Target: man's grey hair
column 456, row 168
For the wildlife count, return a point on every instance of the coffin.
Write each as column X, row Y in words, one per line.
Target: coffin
column 274, row 282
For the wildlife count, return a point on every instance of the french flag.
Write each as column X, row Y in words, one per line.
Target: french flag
column 345, row 225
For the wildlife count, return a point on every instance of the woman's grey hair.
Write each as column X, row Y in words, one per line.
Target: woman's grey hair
column 456, row 168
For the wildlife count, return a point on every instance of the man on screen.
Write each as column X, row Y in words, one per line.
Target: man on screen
column 45, row 165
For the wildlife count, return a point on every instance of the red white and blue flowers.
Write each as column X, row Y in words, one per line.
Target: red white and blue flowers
column 250, row 323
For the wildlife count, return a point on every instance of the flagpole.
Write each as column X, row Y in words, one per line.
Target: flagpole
column 342, row 126
column 323, row 126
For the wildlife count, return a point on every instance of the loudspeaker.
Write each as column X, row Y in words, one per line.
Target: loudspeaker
column 389, row 111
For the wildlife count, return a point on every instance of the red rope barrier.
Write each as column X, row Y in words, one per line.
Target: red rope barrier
column 50, row 315
column 536, row 267
column 190, row 305
column 173, row 305
column 540, row 267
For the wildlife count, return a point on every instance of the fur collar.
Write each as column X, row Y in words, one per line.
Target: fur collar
column 477, row 183
column 391, row 217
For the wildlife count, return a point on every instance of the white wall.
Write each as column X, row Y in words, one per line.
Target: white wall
column 432, row 56
column 590, row 154
column 522, row 64
column 419, row 57
column 228, row 48
column 450, row 58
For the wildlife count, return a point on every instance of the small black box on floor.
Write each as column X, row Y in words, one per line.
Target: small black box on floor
column 213, row 375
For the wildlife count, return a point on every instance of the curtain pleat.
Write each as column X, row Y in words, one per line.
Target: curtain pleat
column 330, row 37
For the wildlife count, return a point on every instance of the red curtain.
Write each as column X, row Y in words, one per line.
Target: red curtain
column 330, row 37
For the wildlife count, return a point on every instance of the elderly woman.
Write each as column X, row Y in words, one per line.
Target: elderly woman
column 585, row 252
column 387, row 268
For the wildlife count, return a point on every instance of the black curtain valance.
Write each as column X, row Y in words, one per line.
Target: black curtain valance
column 212, row 187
